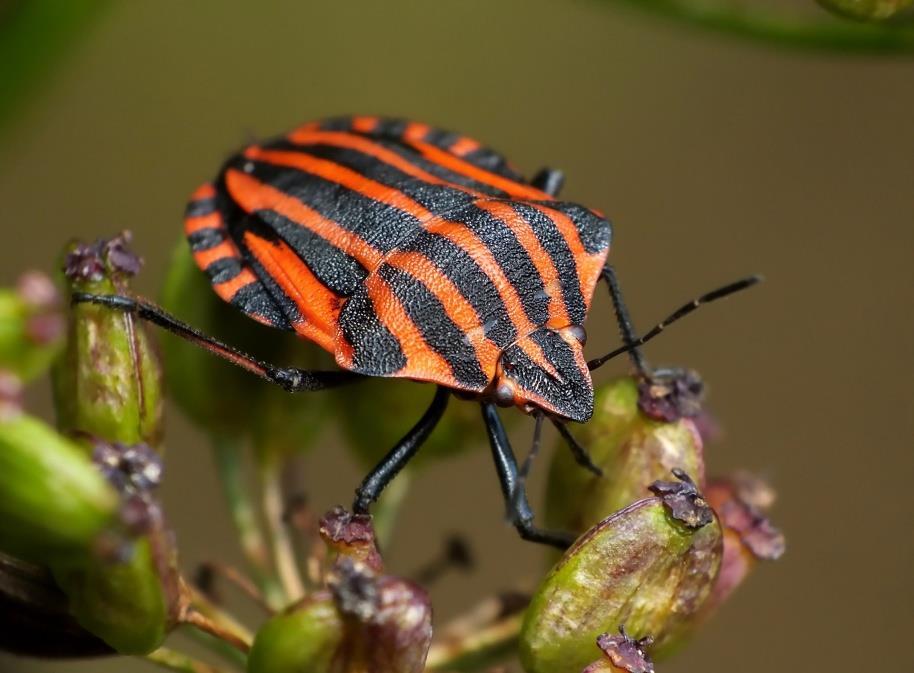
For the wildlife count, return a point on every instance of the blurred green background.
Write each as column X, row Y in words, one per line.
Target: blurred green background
column 713, row 157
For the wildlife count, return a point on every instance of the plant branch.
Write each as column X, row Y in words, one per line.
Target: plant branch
column 201, row 613
column 228, row 454
column 177, row 661
column 280, row 541
column 827, row 34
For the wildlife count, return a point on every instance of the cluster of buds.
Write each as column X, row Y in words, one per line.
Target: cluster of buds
column 656, row 556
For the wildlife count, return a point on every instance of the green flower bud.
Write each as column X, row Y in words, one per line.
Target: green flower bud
column 622, row 654
column 304, row 639
column 866, row 10
column 650, row 567
column 108, row 382
column 31, row 326
column 53, row 502
column 632, row 448
column 130, row 603
column 220, row 397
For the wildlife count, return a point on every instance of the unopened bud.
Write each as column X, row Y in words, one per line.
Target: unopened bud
column 304, row 639
column 643, row 566
column 866, row 10
column 108, row 382
column 31, row 326
column 622, row 654
column 632, row 449
column 53, row 502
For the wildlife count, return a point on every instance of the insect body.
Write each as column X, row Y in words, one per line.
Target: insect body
column 406, row 251
column 410, row 252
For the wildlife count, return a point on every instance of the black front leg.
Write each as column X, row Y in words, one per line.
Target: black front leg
column 512, row 486
column 401, row 454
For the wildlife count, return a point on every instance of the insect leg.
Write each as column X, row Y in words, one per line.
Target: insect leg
column 581, row 455
column 549, row 180
column 290, row 378
column 512, row 486
column 401, row 454
column 631, row 343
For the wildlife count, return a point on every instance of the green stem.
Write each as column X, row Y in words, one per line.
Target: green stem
column 476, row 648
column 176, row 661
column 827, row 34
column 229, row 455
column 280, row 541
column 218, row 647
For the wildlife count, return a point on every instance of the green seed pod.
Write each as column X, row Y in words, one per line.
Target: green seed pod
column 220, row 397
column 53, row 502
column 866, row 10
column 129, row 603
column 649, row 566
column 31, row 326
column 107, row 384
column 740, row 501
column 632, row 448
column 304, row 639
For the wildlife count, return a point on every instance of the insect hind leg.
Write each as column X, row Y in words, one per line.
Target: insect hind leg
column 289, row 378
column 549, row 180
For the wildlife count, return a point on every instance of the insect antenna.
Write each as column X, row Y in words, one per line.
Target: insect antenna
column 632, row 344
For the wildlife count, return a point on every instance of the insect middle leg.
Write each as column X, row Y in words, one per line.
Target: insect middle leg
column 397, row 458
column 512, row 486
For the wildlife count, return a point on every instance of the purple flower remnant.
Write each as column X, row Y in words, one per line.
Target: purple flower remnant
column 351, row 535
column 670, row 394
column 626, row 653
column 135, row 471
column 683, row 500
column 90, row 262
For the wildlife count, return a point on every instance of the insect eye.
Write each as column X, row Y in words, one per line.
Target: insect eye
column 578, row 333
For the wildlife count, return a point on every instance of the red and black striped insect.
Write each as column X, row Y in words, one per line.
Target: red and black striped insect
column 407, row 251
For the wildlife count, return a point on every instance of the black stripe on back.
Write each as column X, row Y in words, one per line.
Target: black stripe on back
column 472, row 283
column 554, row 243
column 375, row 351
column 438, row 330
column 378, row 224
column 204, row 239
column 512, row 258
column 595, row 231
column 200, row 207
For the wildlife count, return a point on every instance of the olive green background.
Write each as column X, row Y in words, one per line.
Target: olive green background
column 713, row 158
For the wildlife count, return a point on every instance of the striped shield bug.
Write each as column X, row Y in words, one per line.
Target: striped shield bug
column 407, row 251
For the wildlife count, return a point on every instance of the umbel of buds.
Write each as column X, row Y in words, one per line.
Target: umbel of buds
column 637, row 435
column 650, row 566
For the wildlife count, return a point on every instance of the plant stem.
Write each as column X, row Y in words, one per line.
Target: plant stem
column 177, row 661
column 204, row 615
column 280, row 541
column 470, row 646
column 828, row 34
column 228, row 454
column 218, row 647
